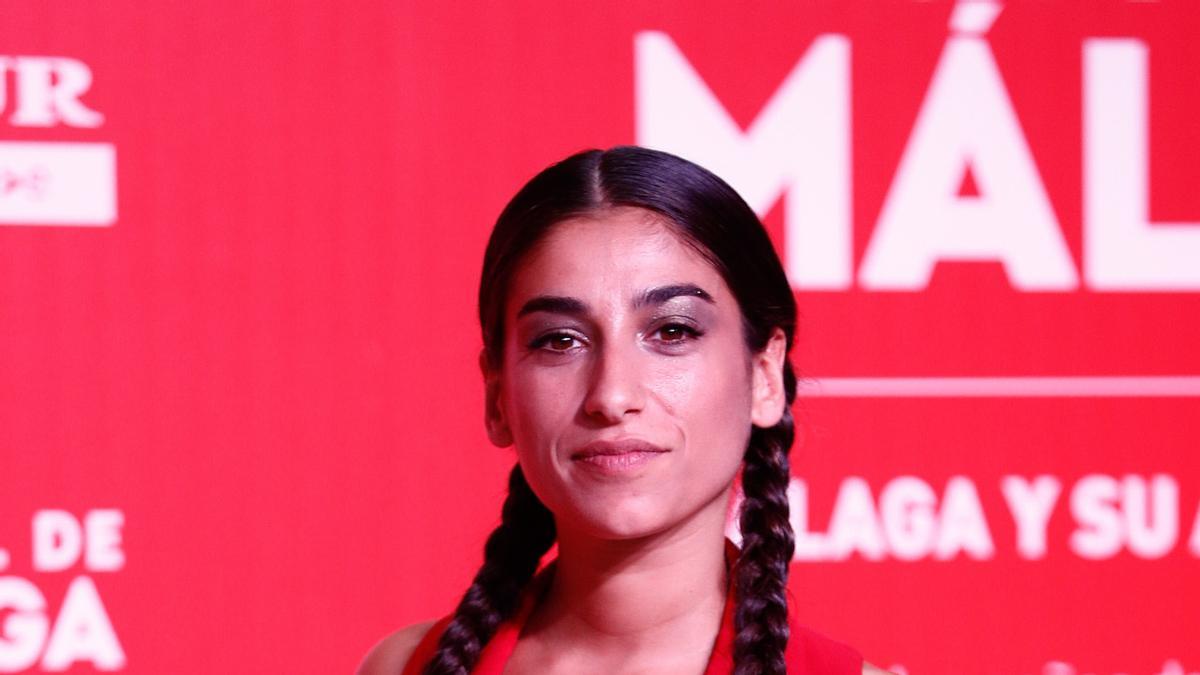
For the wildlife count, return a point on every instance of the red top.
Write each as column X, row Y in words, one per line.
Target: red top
column 808, row 652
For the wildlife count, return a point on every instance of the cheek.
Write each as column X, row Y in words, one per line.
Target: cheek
column 709, row 388
column 709, row 402
column 541, row 406
column 540, row 403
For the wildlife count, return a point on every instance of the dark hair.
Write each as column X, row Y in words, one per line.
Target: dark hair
column 710, row 216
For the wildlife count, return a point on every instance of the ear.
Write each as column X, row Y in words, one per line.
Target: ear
column 493, row 412
column 767, row 396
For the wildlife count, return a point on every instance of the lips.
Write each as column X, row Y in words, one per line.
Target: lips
column 616, row 457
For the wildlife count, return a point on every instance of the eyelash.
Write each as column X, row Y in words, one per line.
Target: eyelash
column 543, row 341
column 687, row 334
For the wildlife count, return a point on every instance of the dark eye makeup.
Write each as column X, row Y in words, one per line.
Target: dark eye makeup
column 672, row 333
column 672, row 328
column 675, row 332
column 557, row 341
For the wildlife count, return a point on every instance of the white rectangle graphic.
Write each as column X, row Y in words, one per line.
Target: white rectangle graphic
column 58, row 184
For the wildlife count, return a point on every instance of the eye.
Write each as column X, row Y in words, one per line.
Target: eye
column 557, row 342
column 676, row 333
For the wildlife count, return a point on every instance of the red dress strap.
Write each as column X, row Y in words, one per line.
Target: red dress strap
column 426, row 648
column 720, row 661
column 496, row 652
column 808, row 652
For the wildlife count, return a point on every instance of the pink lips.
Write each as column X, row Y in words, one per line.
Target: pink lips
column 616, row 457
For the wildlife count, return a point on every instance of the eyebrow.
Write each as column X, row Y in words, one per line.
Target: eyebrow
column 657, row 296
column 555, row 304
column 559, row 304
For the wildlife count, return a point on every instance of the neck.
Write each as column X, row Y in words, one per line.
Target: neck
column 659, row 590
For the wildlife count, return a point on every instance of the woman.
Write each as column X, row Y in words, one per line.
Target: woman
column 636, row 325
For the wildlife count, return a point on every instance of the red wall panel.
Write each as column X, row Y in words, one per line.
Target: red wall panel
column 254, row 366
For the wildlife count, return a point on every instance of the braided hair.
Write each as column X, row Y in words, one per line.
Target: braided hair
column 710, row 216
column 510, row 557
column 767, row 545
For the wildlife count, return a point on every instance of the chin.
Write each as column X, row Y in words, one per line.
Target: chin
column 620, row 522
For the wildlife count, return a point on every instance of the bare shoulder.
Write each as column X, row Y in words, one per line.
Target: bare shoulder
column 390, row 654
column 869, row 669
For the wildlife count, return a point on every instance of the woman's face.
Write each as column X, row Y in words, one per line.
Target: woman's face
column 626, row 384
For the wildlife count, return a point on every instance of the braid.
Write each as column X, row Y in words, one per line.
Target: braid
column 767, row 546
column 511, row 556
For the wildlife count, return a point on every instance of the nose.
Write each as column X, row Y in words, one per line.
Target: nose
column 615, row 388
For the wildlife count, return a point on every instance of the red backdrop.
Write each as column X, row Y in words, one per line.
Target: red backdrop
column 240, row 418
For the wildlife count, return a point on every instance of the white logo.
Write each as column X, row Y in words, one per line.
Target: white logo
column 798, row 148
column 53, row 183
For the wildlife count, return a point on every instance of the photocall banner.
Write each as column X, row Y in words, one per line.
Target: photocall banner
column 240, row 412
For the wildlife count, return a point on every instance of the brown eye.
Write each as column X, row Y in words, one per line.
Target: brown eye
column 673, row 333
column 676, row 333
column 557, row 342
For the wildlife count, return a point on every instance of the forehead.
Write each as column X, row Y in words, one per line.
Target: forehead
column 613, row 254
